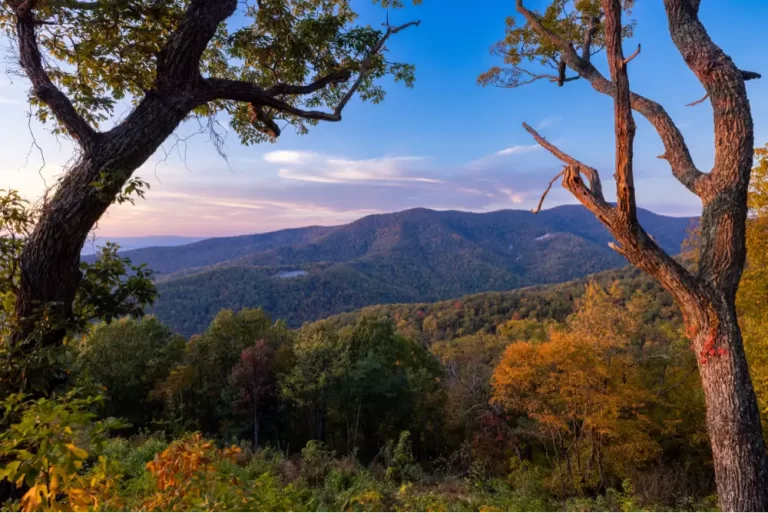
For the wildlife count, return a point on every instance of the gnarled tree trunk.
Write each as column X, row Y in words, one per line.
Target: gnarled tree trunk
column 49, row 263
column 707, row 297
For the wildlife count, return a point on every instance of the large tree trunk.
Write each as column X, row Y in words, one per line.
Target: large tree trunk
column 733, row 419
column 707, row 299
column 50, row 261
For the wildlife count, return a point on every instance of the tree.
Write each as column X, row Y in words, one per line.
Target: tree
column 753, row 289
column 110, row 287
column 605, row 394
column 254, row 378
column 210, row 358
column 129, row 357
column 171, row 61
column 566, row 37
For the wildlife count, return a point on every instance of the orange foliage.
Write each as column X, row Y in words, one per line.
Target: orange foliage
column 185, row 471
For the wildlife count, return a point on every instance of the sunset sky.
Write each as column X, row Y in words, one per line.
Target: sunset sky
column 446, row 144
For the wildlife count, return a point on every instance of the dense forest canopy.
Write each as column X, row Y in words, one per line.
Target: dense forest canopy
column 619, row 392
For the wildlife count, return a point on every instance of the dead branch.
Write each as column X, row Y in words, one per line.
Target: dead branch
column 635, row 54
column 703, row 98
column 546, row 191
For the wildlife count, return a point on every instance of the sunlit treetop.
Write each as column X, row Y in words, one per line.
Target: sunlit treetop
column 101, row 52
column 529, row 57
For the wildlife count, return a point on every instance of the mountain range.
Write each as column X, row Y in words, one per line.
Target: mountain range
column 417, row 255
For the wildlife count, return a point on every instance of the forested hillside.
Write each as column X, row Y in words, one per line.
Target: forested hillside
column 417, row 255
column 415, row 361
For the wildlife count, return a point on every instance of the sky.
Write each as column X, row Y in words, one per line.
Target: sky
column 445, row 144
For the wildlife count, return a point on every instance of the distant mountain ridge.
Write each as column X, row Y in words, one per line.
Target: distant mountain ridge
column 304, row 274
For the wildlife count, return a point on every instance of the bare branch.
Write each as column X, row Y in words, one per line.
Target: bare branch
column 618, row 249
column 724, row 82
column 635, row 54
column 679, row 156
column 595, row 187
column 42, row 86
column 703, row 98
column 624, row 123
column 546, row 191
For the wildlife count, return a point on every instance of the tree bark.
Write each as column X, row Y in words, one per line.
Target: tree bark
column 50, row 260
column 706, row 298
column 733, row 419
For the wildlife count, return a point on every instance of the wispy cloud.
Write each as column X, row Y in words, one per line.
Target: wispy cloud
column 290, row 157
column 313, row 167
column 518, row 149
column 547, row 122
column 514, row 197
column 498, row 157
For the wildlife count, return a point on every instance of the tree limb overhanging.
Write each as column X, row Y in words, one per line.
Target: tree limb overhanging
column 178, row 72
column 238, row 90
column 32, row 63
column 178, row 69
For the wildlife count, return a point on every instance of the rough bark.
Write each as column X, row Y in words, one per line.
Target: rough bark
column 707, row 299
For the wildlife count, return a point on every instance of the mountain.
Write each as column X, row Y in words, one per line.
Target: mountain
column 485, row 311
column 92, row 245
column 416, row 255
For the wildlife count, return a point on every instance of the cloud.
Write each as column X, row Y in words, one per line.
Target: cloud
column 290, row 157
column 316, row 168
column 514, row 197
column 548, row 122
column 497, row 158
column 518, row 149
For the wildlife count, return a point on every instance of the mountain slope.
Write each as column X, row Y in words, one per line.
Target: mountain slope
column 412, row 256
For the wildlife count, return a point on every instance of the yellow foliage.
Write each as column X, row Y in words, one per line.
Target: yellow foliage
column 584, row 390
column 752, row 299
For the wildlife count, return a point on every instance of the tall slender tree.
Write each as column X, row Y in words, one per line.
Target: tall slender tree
column 566, row 36
column 265, row 64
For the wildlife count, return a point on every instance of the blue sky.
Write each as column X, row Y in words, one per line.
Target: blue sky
column 446, row 144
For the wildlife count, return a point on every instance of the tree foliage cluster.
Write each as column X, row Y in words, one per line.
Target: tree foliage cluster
column 561, row 411
column 539, row 413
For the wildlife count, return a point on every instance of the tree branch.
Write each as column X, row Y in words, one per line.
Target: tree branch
column 329, row 79
column 178, row 64
column 624, row 123
column 724, row 82
column 595, row 187
column 367, row 63
column 677, row 152
column 546, row 191
column 239, row 90
column 586, row 49
column 750, row 75
column 635, row 244
column 42, row 86
column 634, row 54
column 697, row 101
